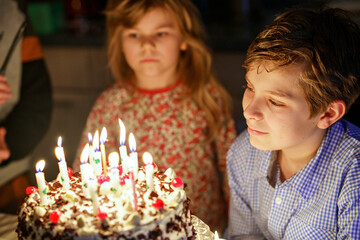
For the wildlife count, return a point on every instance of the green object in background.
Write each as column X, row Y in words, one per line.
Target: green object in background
column 46, row 17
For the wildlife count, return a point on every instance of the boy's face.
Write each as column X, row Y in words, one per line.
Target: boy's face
column 276, row 111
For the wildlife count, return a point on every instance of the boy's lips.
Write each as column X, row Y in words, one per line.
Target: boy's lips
column 255, row 132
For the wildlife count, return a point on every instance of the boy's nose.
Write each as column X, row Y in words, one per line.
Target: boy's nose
column 252, row 109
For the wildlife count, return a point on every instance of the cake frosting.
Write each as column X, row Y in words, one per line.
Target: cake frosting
column 161, row 213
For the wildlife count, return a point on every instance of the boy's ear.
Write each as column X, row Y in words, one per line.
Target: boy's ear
column 334, row 112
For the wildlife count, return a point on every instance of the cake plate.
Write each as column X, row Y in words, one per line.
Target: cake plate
column 202, row 230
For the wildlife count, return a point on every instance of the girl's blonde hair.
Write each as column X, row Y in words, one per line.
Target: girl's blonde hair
column 195, row 63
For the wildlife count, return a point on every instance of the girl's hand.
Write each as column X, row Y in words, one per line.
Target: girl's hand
column 5, row 91
column 4, row 150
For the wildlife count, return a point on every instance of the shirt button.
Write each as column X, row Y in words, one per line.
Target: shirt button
column 278, row 200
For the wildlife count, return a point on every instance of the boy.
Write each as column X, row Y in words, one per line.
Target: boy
column 295, row 172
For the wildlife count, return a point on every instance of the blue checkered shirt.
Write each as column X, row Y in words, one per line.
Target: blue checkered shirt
column 321, row 201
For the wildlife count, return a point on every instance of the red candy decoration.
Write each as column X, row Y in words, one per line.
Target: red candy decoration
column 70, row 172
column 30, row 190
column 120, row 170
column 158, row 204
column 177, row 182
column 103, row 178
column 122, row 181
column 55, row 216
column 102, row 215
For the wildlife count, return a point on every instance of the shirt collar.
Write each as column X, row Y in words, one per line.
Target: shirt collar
column 307, row 180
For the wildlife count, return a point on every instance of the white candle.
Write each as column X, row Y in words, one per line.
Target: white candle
column 217, row 236
column 97, row 155
column 133, row 155
column 85, row 170
column 122, row 148
column 40, row 180
column 59, row 152
column 115, row 173
column 103, row 137
column 91, row 150
column 126, row 164
column 149, row 170
column 94, row 196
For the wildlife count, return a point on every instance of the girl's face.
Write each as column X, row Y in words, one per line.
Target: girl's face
column 153, row 45
column 276, row 111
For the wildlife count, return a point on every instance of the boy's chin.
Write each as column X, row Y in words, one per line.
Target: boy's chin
column 260, row 145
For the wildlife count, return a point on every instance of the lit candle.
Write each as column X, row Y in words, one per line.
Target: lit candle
column 132, row 178
column 217, row 236
column 85, row 169
column 91, row 151
column 59, row 153
column 133, row 155
column 97, row 155
column 94, row 196
column 126, row 164
column 149, row 170
column 122, row 148
column 115, row 172
column 103, row 136
column 40, row 180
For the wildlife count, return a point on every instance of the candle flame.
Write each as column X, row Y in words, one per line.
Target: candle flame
column 216, row 236
column 90, row 138
column 122, row 133
column 147, row 158
column 114, row 159
column 103, row 135
column 40, row 165
column 96, row 140
column 59, row 142
column 85, row 154
column 132, row 142
column 59, row 153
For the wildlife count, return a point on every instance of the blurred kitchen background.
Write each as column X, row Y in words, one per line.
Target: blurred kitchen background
column 72, row 33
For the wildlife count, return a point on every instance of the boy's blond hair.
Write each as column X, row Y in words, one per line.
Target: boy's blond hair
column 327, row 42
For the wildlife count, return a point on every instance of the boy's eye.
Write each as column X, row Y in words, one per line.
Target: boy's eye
column 276, row 104
column 247, row 87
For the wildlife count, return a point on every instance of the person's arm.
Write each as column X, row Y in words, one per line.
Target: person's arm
column 241, row 221
column 29, row 120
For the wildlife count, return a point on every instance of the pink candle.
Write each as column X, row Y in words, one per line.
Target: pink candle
column 132, row 178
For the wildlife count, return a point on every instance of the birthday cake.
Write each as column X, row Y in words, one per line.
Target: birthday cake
column 161, row 213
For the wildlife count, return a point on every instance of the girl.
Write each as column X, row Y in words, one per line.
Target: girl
column 166, row 94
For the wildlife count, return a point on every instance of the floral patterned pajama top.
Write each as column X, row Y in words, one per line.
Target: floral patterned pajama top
column 173, row 132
